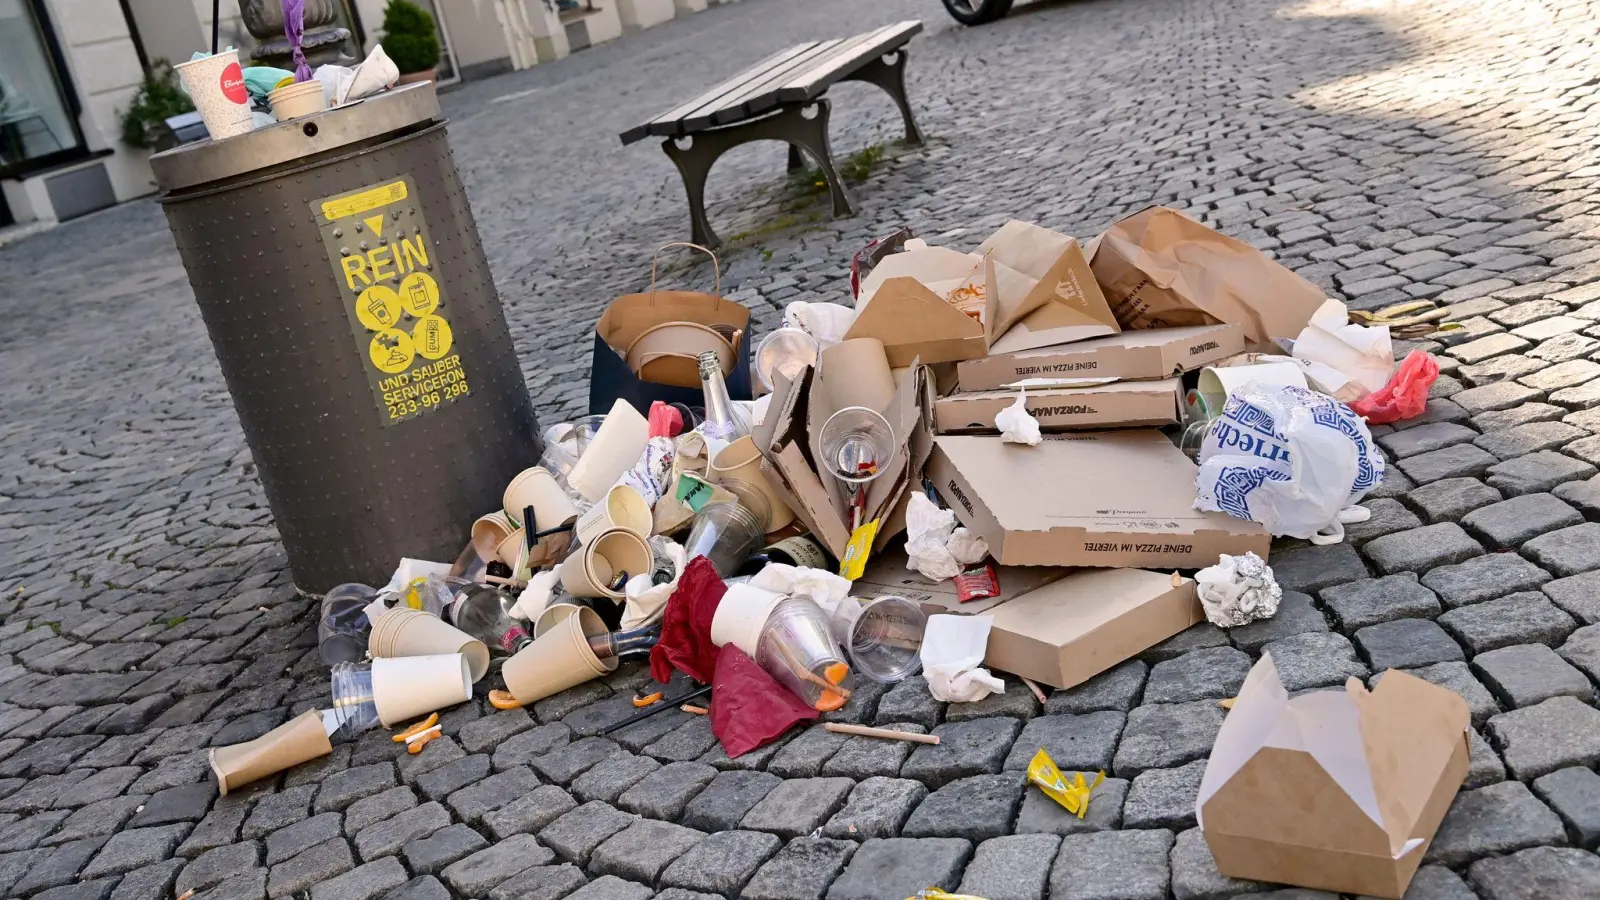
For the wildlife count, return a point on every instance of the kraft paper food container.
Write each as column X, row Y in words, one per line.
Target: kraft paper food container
column 742, row 615
column 669, row 353
column 740, row 461
column 537, row 487
column 557, row 660
column 612, row 451
column 403, row 632
column 856, row 373
column 297, row 100
column 412, row 686
column 216, row 85
column 489, row 531
column 590, row 571
column 298, row 740
column 622, row 507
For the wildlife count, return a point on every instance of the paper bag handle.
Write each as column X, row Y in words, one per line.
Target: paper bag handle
column 715, row 268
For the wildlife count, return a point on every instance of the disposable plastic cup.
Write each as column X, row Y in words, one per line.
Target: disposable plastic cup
column 798, row 649
column 352, row 697
column 216, row 85
column 742, row 616
column 297, row 100
column 413, row 686
column 856, row 444
column 343, row 627
column 592, row 570
column 298, row 740
column 558, row 659
column 786, row 351
column 883, row 637
column 727, row 534
column 403, row 632
column 622, row 507
column 537, row 487
column 741, row 461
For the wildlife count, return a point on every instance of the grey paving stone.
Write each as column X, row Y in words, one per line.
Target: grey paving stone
column 722, row 863
column 1457, row 676
column 451, row 777
column 1422, row 549
column 665, row 793
column 59, row 868
column 910, row 701
column 1529, row 437
column 475, row 875
column 152, row 882
column 1212, row 673
column 642, row 850
column 1569, row 551
column 1510, row 523
column 388, row 836
column 1498, row 819
column 975, row 808
column 429, row 855
column 1406, row 643
column 371, row 810
column 1309, row 569
column 1314, row 660
column 552, row 708
column 423, row 887
column 364, row 882
column 540, row 883
column 895, row 867
column 287, row 842
column 1426, row 438
column 1087, row 742
column 610, row 777
column 485, row 734
column 1574, row 794
column 1042, row 815
column 1500, row 395
column 864, row 757
column 216, row 866
column 806, row 753
column 1165, row 736
column 1127, row 864
column 1016, row 701
column 610, row 887
column 136, row 848
column 530, row 812
column 1448, row 499
column 524, row 748
column 1541, row 873
column 1578, row 595
column 862, row 707
column 479, row 798
column 1011, row 868
column 877, row 807
column 104, row 785
column 802, row 870
column 1522, row 618
column 1163, row 798
column 1484, row 578
column 341, row 789
column 798, row 806
column 1296, row 615
column 309, row 868
column 722, row 805
column 250, row 885
column 1373, row 600
column 1196, row 637
column 1195, row 875
column 1387, row 517
column 1536, row 472
column 1584, row 495
column 575, row 834
column 1526, row 674
column 684, row 743
column 1542, row 738
column 1484, row 766
column 1459, row 461
column 1435, row 883
column 978, row 747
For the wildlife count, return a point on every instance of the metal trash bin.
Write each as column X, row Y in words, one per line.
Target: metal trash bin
column 339, row 272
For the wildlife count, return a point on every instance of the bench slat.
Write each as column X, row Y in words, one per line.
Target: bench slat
column 766, row 97
column 733, row 106
column 668, row 123
column 807, row 85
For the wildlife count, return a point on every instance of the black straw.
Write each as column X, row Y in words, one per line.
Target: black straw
column 657, row 707
column 216, row 23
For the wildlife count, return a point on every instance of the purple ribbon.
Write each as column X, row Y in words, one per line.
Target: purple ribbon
column 294, row 28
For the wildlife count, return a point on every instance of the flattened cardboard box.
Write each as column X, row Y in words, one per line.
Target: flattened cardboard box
column 1103, row 499
column 1120, row 403
column 1151, row 353
column 888, row 574
column 1336, row 790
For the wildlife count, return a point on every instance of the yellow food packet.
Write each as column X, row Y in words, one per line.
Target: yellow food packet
column 854, row 561
column 1074, row 795
column 934, row 893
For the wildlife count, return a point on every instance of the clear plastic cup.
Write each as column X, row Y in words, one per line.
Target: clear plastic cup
column 342, row 626
column 856, row 444
column 353, row 706
column 786, row 351
column 884, row 639
column 727, row 534
column 798, row 649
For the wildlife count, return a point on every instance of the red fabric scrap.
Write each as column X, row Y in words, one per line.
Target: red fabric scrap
column 685, row 642
column 1406, row 394
column 749, row 709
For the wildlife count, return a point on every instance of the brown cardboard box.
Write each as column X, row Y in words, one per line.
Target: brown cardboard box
column 888, row 573
column 1152, row 353
column 1120, row 403
column 1106, row 499
column 1336, row 790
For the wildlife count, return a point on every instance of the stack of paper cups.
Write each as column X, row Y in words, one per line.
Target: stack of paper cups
column 558, row 659
column 403, row 632
column 413, row 686
column 216, row 85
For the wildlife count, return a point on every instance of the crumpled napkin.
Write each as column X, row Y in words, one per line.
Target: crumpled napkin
column 935, row 547
column 952, row 653
column 1361, row 358
column 372, row 75
column 1238, row 590
column 536, row 596
column 1016, row 424
column 826, row 589
column 647, row 601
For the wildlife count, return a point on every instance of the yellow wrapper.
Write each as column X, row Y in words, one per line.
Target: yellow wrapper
column 1074, row 795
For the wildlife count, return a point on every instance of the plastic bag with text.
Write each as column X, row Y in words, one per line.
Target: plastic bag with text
column 1406, row 394
column 1288, row 458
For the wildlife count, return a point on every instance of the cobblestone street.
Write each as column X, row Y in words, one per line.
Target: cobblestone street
column 1385, row 149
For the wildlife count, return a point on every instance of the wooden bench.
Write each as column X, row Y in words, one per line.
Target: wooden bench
column 780, row 99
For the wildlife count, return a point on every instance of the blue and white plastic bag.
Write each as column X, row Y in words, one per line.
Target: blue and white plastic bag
column 1288, row 458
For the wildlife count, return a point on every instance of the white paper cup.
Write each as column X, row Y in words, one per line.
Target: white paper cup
column 590, row 571
column 297, row 100
column 740, row 461
column 216, row 85
column 538, row 488
column 621, row 507
column 1217, row 383
column 613, row 450
column 413, row 686
column 742, row 615
column 557, row 660
column 406, row 632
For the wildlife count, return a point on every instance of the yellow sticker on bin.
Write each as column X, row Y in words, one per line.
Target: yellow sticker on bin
column 854, row 561
column 1072, row 795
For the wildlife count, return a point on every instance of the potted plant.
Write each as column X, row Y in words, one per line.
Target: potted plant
column 158, row 98
column 410, row 40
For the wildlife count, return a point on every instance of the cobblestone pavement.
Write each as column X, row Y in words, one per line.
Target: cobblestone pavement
column 1386, row 149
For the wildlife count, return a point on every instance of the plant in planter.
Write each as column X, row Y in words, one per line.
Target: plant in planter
column 410, row 40
column 157, row 99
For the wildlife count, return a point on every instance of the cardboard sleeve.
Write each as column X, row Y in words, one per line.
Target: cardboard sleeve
column 298, row 740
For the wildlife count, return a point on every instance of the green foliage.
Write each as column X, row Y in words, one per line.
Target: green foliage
column 156, row 100
column 409, row 37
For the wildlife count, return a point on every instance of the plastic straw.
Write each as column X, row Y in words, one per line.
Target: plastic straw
column 216, row 22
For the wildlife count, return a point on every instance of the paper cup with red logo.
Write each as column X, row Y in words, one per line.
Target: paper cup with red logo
column 216, row 85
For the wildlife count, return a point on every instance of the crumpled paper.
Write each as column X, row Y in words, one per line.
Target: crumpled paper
column 536, row 596
column 1362, row 358
column 935, row 547
column 1238, row 590
column 952, row 653
column 1016, row 424
column 651, row 476
column 826, row 589
column 645, row 600
column 827, row 322
column 373, row 74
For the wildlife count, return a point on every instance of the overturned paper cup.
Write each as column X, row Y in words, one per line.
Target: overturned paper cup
column 298, row 740
column 413, row 686
column 591, row 571
column 740, row 461
column 558, row 659
column 622, row 507
column 403, row 632
column 742, row 615
column 538, row 488
column 554, row 615
column 1216, row 383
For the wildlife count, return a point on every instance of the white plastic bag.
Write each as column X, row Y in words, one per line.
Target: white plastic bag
column 827, row 322
column 952, row 653
column 1016, row 424
column 1288, row 458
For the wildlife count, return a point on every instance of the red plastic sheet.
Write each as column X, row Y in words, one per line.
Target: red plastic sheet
column 748, row 708
column 685, row 642
column 1406, row 394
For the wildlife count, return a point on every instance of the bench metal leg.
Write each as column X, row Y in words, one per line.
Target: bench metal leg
column 889, row 72
column 790, row 124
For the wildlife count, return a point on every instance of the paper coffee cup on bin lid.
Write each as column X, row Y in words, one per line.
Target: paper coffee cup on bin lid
column 216, row 85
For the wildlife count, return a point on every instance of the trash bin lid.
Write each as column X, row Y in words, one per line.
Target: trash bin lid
column 205, row 162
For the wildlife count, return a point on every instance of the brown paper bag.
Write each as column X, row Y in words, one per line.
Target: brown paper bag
column 1047, row 292
column 1160, row 268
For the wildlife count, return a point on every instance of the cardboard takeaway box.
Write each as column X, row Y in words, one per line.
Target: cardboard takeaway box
column 1036, row 285
column 1337, row 790
column 1117, row 404
column 1100, row 499
column 1151, row 353
column 1059, row 627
